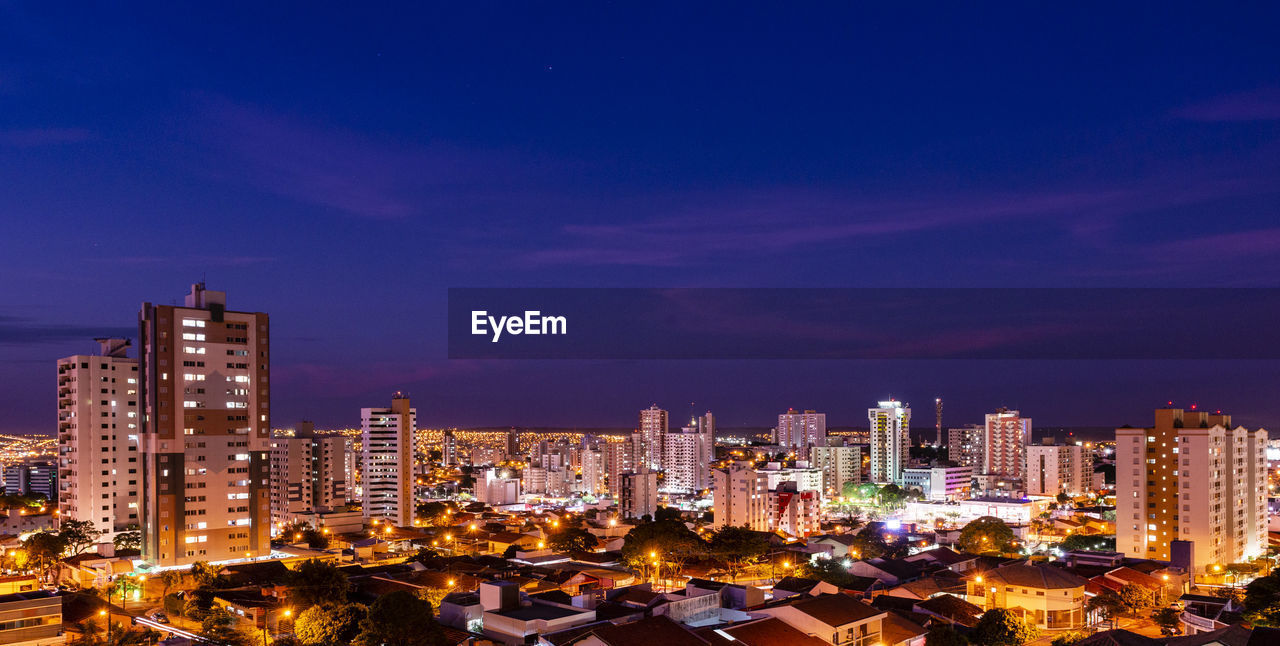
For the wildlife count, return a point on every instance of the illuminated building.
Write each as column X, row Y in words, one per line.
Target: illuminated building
column 801, row 430
column 890, row 423
column 740, row 497
column 839, row 465
column 1053, row 469
column 387, row 436
column 308, row 472
column 1005, row 441
column 652, row 430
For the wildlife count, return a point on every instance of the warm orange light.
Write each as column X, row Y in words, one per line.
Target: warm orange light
column 978, row 579
column 287, row 612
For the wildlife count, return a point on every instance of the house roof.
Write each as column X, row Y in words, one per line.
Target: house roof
column 771, row 631
column 1035, row 575
column 953, row 608
column 897, row 629
column 943, row 555
column 648, row 631
column 835, row 609
column 796, row 584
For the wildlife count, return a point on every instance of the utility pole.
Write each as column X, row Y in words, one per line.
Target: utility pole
column 938, row 406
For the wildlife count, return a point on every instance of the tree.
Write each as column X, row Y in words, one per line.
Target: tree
column 738, row 547
column 205, row 574
column 1168, row 620
column 315, row 582
column 219, row 626
column 669, row 541
column 1000, row 627
column 79, row 535
column 168, row 579
column 400, row 619
column 128, row 540
column 44, row 550
column 572, row 539
column 1262, row 592
column 330, row 625
column 1136, row 597
column 198, row 603
column 667, row 513
column 1063, row 498
column 891, row 496
column 874, row 541
column 986, row 535
column 433, row 514
column 944, row 635
column 1108, row 604
column 1087, row 543
column 510, row 552
column 1068, row 638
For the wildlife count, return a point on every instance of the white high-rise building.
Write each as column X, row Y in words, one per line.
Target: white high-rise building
column 98, row 469
column 839, row 465
column 802, row 430
column 741, row 498
column 890, row 442
column 653, row 426
column 687, row 456
column 1053, row 469
column 593, row 472
column 205, row 430
column 1191, row 478
column 1005, row 440
column 619, row 458
column 387, row 443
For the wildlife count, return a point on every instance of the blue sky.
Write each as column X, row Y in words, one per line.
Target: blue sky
column 342, row 167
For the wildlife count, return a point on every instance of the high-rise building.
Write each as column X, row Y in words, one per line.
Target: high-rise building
column 839, row 465
column 449, row 452
column 1054, row 468
column 890, row 442
column 205, row 405
column 1191, row 477
column 98, row 469
column 741, row 497
column 638, row 494
column 940, row 482
column 1005, row 440
column 308, row 473
column 387, row 439
column 687, row 455
column 619, row 458
column 794, row 512
column 652, row 429
column 593, row 472
column 802, row 430
column 37, row 476
column 966, row 446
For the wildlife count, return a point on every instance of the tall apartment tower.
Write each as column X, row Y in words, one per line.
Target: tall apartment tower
column 619, row 458
column 802, row 430
column 308, row 473
column 592, row 472
column 966, row 446
column 205, row 397
column 98, row 470
column 638, row 494
column 387, row 439
column 1191, row 477
column 741, row 497
column 1005, row 440
column 890, row 443
column 839, row 465
column 1055, row 468
column 652, row 430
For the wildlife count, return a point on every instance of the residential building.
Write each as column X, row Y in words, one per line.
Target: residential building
column 98, row 472
column 652, row 430
column 890, row 423
column 687, row 455
column 638, row 494
column 1047, row 597
column 794, row 512
column 800, row 431
column 308, row 472
column 940, row 482
column 205, row 406
column 965, row 445
column 1006, row 436
column 837, row 619
column 839, row 465
column 497, row 488
column 741, row 497
column 31, row 618
column 387, row 440
column 449, row 449
column 619, row 458
column 33, row 476
column 1195, row 478
column 1056, row 468
column 805, row 478
column 593, row 472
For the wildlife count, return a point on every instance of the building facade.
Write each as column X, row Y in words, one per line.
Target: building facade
column 741, row 498
column 1005, row 439
column 890, row 423
column 651, row 433
column 1054, row 468
column 839, row 465
column 308, row 473
column 800, row 431
column 205, row 404
column 98, row 472
column 387, row 442
column 1191, row 477
column 638, row 494
column 965, row 445
column 940, row 483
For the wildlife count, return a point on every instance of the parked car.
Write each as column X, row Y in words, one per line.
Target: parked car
column 158, row 617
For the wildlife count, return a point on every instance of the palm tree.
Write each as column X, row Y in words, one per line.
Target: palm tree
column 169, row 578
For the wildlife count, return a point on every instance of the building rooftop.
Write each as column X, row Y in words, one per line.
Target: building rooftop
column 836, row 609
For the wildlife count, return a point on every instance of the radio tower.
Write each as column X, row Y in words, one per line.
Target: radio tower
column 938, row 405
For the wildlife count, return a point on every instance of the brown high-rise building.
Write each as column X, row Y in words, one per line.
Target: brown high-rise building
column 205, row 402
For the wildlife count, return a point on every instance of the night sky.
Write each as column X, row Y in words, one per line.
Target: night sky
column 341, row 167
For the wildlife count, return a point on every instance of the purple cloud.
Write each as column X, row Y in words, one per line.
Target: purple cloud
column 1262, row 104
